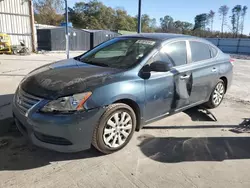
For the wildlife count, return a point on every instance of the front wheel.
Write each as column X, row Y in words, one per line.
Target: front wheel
column 217, row 95
column 116, row 128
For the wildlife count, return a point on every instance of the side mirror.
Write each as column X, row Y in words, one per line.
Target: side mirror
column 159, row 66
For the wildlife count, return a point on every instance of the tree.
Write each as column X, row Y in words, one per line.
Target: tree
column 179, row 26
column 233, row 22
column 243, row 14
column 187, row 26
column 77, row 16
column 148, row 24
column 92, row 15
column 210, row 18
column 96, row 15
column 183, row 27
column 167, row 23
column 123, row 21
column 200, row 21
column 235, row 19
column 48, row 11
column 223, row 11
column 153, row 24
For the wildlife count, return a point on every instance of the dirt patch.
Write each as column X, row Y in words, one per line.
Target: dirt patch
column 240, row 56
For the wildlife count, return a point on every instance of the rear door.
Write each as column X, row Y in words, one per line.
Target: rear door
column 204, row 70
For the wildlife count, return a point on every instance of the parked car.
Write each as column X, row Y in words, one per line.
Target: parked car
column 102, row 96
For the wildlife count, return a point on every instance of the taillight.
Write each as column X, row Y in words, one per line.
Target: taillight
column 231, row 61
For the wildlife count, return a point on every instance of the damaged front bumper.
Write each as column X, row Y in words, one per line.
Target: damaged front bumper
column 59, row 132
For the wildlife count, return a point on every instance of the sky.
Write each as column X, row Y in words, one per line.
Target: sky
column 184, row 10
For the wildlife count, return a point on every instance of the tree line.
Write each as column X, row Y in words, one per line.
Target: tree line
column 95, row 15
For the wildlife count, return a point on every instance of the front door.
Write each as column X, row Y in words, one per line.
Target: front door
column 167, row 91
column 183, row 78
column 159, row 94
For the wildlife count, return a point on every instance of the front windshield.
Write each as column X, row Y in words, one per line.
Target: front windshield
column 121, row 53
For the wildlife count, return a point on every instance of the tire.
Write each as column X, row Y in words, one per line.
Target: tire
column 24, row 51
column 14, row 52
column 109, row 117
column 212, row 103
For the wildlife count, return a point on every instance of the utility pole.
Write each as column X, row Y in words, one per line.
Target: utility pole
column 139, row 17
column 32, row 24
column 67, row 28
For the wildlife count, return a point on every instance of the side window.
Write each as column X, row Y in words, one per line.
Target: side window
column 214, row 51
column 159, row 57
column 176, row 52
column 200, row 51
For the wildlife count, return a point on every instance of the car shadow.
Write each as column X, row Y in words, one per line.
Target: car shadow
column 16, row 153
column 200, row 113
column 6, row 124
column 183, row 149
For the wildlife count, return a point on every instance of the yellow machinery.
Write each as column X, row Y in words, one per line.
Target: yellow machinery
column 5, row 43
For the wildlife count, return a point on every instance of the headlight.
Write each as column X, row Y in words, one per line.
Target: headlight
column 67, row 104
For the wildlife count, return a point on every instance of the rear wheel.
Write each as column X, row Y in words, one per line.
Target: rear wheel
column 217, row 95
column 115, row 129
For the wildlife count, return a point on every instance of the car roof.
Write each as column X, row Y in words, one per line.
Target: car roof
column 157, row 36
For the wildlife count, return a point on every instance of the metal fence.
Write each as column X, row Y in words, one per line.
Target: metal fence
column 232, row 45
column 15, row 20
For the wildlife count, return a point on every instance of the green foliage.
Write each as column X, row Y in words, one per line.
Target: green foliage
column 223, row 11
column 123, row 21
column 243, row 14
column 210, row 19
column 200, row 21
column 167, row 23
column 237, row 19
column 94, row 14
column 48, row 11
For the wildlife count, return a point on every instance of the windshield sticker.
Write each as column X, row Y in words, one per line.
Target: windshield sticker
column 148, row 42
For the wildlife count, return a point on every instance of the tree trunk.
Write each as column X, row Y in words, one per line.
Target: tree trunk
column 242, row 27
column 237, row 26
column 222, row 25
column 212, row 22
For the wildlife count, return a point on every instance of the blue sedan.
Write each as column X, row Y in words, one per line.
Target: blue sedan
column 102, row 96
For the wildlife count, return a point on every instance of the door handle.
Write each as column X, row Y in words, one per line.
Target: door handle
column 184, row 77
column 214, row 70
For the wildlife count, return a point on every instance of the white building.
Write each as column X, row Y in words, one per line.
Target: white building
column 17, row 20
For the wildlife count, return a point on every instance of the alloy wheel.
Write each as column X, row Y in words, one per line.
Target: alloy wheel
column 117, row 129
column 218, row 93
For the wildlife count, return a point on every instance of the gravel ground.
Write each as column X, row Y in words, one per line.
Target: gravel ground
column 240, row 56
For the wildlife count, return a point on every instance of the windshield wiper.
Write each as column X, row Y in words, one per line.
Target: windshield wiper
column 78, row 58
column 96, row 63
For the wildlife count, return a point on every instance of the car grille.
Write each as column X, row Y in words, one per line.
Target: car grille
column 52, row 139
column 25, row 101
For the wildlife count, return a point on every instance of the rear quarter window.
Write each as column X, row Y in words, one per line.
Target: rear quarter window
column 214, row 51
column 199, row 51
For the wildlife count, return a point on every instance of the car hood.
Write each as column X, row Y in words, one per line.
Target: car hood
column 66, row 77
